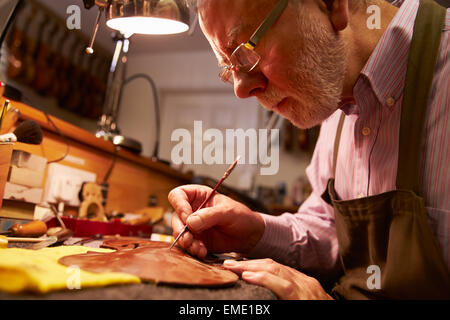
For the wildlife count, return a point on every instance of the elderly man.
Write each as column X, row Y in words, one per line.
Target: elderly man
column 377, row 222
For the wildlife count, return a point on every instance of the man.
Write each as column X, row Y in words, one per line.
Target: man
column 317, row 61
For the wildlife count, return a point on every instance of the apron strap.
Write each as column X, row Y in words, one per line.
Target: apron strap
column 419, row 77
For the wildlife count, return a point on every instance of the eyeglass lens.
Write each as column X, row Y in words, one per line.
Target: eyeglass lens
column 243, row 60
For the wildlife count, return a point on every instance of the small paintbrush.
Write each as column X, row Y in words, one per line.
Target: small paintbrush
column 226, row 174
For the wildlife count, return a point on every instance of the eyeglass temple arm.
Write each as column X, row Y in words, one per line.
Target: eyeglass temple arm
column 270, row 20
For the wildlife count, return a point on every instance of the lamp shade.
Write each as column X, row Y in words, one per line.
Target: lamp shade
column 148, row 16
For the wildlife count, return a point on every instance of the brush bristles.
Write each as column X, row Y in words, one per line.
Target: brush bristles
column 29, row 132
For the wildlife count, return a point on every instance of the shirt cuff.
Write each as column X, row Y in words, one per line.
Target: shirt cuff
column 275, row 241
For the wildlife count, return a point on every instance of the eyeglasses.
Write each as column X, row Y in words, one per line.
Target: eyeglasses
column 244, row 58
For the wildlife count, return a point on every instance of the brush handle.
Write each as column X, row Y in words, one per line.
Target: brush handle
column 3, row 111
column 9, row 119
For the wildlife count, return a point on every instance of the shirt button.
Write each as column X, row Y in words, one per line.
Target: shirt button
column 365, row 131
column 390, row 102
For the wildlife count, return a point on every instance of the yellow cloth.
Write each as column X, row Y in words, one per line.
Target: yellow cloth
column 39, row 271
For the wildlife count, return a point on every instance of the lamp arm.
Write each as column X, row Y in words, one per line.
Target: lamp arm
column 156, row 104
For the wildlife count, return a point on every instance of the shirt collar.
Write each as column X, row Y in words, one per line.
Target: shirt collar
column 386, row 68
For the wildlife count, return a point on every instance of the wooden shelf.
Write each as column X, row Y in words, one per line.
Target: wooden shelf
column 88, row 138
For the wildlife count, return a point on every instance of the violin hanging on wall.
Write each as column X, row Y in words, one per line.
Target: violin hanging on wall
column 68, row 54
column 55, row 62
column 58, row 67
column 34, row 39
column 45, row 56
column 18, row 42
column 42, row 80
column 73, row 100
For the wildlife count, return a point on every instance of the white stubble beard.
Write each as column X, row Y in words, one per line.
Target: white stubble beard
column 317, row 76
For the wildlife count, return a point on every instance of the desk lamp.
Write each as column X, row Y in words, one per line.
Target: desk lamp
column 128, row 17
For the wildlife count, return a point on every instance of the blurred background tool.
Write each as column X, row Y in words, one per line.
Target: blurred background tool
column 45, row 243
column 30, row 229
column 9, row 119
column 38, row 243
column 20, row 239
column 4, row 241
column 3, row 111
column 27, row 132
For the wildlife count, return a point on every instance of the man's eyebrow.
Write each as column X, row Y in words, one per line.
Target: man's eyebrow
column 234, row 33
column 230, row 44
column 232, row 37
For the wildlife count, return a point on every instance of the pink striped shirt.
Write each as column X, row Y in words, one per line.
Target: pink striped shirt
column 368, row 154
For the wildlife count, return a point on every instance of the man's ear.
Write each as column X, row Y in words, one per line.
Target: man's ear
column 338, row 12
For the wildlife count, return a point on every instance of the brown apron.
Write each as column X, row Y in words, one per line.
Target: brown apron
column 390, row 231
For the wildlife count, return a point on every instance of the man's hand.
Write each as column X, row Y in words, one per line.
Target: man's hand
column 285, row 282
column 223, row 225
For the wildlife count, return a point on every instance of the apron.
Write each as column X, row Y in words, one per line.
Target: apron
column 389, row 232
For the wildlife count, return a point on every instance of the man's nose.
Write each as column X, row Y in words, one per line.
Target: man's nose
column 247, row 85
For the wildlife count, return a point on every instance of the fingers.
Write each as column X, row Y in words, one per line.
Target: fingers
column 198, row 249
column 284, row 289
column 186, row 199
column 180, row 202
column 267, row 265
column 207, row 218
column 285, row 282
column 187, row 240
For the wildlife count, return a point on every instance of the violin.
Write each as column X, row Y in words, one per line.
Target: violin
column 18, row 42
column 43, row 77
column 68, row 54
column 55, row 64
column 58, row 67
column 33, row 43
column 73, row 101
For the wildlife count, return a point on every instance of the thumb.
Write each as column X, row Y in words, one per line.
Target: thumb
column 206, row 218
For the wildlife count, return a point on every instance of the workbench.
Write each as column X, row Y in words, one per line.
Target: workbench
column 150, row 291
column 147, row 291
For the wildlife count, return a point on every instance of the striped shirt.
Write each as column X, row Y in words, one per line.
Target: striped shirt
column 368, row 154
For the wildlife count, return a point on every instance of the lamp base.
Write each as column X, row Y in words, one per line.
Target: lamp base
column 127, row 143
column 122, row 141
